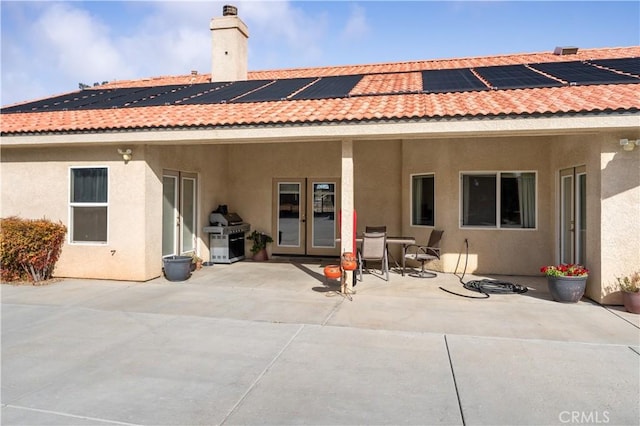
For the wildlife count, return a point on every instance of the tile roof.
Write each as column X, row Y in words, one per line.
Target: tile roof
column 386, row 92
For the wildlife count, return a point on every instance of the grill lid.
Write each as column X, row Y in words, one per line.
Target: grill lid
column 225, row 219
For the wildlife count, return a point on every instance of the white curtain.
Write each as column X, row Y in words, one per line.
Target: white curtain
column 527, row 196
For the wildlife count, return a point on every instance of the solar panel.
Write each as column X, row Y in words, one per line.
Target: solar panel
column 175, row 94
column 278, row 90
column 581, row 73
column 226, row 92
column 123, row 97
column 451, row 80
column 329, row 87
column 515, row 77
column 74, row 100
column 628, row 65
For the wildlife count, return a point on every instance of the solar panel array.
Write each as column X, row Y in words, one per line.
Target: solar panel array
column 551, row 74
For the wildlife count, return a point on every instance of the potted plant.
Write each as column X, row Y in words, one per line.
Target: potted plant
column 567, row 282
column 259, row 247
column 630, row 286
column 196, row 262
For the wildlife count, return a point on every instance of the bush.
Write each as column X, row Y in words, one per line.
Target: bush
column 29, row 249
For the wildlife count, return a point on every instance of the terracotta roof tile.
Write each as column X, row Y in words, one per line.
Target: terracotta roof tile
column 387, row 91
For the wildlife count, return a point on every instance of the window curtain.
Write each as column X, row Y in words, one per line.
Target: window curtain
column 89, row 185
column 527, row 196
column 417, row 200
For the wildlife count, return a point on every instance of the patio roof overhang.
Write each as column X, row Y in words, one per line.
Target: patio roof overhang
column 365, row 130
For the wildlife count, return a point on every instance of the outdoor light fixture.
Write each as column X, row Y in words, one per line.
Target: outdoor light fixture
column 126, row 154
column 629, row 144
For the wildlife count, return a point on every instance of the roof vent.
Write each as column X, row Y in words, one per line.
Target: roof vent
column 228, row 10
column 565, row 50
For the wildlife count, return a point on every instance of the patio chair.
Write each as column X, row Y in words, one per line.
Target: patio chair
column 374, row 249
column 381, row 228
column 424, row 254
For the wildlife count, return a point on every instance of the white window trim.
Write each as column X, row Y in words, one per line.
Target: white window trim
column 435, row 198
column 71, row 205
column 497, row 174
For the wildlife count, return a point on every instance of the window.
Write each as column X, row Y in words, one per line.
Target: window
column 499, row 200
column 422, row 200
column 88, row 205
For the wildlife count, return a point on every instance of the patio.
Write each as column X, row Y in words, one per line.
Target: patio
column 269, row 343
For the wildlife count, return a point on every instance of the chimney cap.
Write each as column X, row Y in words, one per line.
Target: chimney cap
column 229, row 10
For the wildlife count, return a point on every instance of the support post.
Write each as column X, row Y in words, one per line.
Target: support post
column 347, row 232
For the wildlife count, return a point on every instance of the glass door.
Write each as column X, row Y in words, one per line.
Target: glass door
column 290, row 217
column 573, row 220
column 323, row 211
column 305, row 216
column 179, row 212
column 170, row 216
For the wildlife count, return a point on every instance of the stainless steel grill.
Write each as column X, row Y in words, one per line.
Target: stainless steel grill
column 226, row 237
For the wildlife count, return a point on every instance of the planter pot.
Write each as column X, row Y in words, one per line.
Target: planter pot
column 631, row 301
column 567, row 289
column 261, row 256
column 177, row 268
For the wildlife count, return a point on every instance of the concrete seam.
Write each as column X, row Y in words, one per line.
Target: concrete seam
column 115, row 422
column 332, row 313
column 261, row 375
column 453, row 375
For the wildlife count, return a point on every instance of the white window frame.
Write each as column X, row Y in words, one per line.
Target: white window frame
column 411, row 176
column 72, row 205
column 497, row 174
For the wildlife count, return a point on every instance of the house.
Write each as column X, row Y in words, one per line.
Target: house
column 523, row 159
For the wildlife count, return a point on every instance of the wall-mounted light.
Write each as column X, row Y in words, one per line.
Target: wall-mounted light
column 629, row 144
column 126, row 154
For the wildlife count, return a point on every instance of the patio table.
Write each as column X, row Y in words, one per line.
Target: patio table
column 404, row 241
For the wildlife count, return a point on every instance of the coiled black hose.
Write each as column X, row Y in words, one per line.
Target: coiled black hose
column 485, row 286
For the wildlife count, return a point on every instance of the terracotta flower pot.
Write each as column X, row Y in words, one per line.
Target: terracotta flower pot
column 631, row 301
column 567, row 289
column 261, row 256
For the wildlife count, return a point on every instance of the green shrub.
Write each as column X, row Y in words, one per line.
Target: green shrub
column 29, row 248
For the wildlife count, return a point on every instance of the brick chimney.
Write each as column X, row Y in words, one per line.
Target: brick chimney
column 229, row 35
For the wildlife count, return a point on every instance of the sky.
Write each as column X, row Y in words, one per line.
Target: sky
column 50, row 47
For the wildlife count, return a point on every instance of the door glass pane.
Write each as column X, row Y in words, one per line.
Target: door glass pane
column 581, row 214
column 423, row 200
column 289, row 214
column 188, row 214
column 566, row 214
column 169, row 215
column 324, row 214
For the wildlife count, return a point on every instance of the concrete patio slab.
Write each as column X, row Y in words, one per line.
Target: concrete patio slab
column 272, row 343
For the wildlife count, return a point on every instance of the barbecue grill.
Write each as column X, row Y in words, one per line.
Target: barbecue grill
column 226, row 237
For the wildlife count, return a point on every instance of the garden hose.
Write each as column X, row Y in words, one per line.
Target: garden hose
column 485, row 286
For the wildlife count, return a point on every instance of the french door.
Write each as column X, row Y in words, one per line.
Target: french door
column 179, row 212
column 573, row 215
column 306, row 216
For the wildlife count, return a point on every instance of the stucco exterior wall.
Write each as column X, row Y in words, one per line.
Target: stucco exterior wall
column 496, row 251
column 252, row 168
column 35, row 184
column 210, row 164
column 619, row 240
